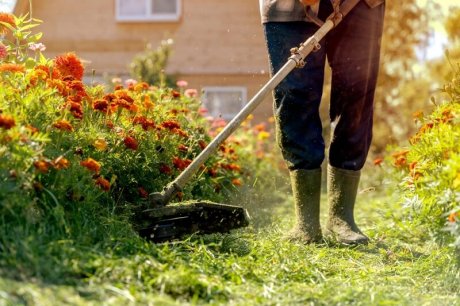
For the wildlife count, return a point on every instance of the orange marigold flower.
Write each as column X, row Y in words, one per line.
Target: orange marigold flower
column 131, row 143
column 122, row 94
column 237, row 182
column 181, row 164
column 400, row 161
column 402, row 153
column 69, row 65
column 453, row 217
column 100, row 144
column 41, row 165
column 63, row 125
column 182, row 148
column 141, row 86
column 181, row 133
column 8, row 67
column 32, row 129
column 61, row 163
column 91, row 164
column 231, row 167
column 6, row 18
column 175, row 94
column 418, row 115
column 7, row 121
column 378, row 161
column 103, row 183
column 143, row 193
column 148, row 104
column 170, row 124
column 259, row 127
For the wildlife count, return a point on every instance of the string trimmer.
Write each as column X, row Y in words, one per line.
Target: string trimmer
column 168, row 221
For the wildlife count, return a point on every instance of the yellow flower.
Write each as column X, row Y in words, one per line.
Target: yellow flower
column 263, row 135
column 100, row 144
column 456, row 183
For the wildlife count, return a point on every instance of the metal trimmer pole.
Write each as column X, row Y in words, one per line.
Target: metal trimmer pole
column 296, row 60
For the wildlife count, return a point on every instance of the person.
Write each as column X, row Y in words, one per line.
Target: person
column 352, row 50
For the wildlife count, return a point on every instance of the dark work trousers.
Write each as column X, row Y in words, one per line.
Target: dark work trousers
column 352, row 50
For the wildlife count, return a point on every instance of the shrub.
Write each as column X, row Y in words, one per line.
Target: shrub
column 149, row 65
column 430, row 166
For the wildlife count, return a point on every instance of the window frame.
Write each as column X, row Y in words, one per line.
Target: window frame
column 149, row 16
column 225, row 89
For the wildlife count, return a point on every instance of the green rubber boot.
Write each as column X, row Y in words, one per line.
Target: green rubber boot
column 342, row 187
column 306, row 189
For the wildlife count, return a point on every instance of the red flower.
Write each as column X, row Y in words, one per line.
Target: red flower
column 101, row 105
column 131, row 143
column 143, row 193
column 165, row 169
column 6, row 121
column 69, row 64
column 91, row 165
column 378, row 161
column 61, row 163
column 146, row 123
column 42, row 165
column 212, row 172
column 76, row 109
column 237, row 182
column 63, row 125
column 202, row 144
column 103, row 183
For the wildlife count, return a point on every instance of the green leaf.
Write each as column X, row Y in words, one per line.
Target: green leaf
column 30, row 63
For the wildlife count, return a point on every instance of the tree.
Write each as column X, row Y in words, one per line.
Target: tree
column 149, row 66
column 400, row 90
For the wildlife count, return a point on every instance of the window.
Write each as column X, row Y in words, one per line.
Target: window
column 224, row 102
column 148, row 10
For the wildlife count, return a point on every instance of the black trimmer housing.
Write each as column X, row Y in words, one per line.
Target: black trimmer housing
column 174, row 221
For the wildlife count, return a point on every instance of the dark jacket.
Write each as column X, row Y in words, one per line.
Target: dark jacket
column 291, row 10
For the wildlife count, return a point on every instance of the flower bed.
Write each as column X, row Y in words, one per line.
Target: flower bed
column 430, row 167
column 74, row 159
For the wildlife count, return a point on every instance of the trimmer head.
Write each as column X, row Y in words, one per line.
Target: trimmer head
column 176, row 220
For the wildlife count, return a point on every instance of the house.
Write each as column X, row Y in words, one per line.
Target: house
column 218, row 45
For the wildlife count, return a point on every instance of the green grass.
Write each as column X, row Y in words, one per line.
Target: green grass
column 254, row 266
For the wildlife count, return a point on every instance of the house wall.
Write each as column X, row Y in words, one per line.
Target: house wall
column 216, row 43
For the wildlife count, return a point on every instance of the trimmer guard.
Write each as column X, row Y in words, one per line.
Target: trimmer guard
column 176, row 220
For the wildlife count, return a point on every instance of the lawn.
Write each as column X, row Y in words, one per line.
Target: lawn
column 256, row 266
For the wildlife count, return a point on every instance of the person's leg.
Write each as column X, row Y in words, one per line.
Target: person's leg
column 298, row 96
column 353, row 50
column 299, row 129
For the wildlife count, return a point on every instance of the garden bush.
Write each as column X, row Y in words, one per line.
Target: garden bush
column 77, row 160
column 429, row 168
